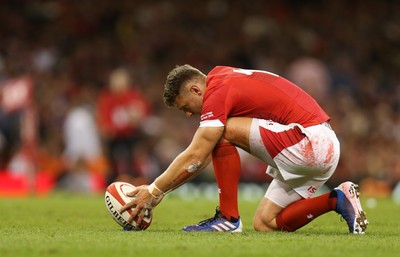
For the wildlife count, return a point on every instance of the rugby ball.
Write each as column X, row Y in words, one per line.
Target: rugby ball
column 115, row 197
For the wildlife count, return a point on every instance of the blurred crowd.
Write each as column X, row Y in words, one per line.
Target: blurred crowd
column 345, row 54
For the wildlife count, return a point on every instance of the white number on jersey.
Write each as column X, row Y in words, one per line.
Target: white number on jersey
column 250, row 72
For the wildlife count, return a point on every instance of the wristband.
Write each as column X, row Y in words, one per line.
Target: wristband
column 154, row 190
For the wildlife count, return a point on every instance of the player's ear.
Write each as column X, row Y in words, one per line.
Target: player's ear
column 194, row 89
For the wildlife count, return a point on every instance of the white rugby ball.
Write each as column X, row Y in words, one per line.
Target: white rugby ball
column 115, row 198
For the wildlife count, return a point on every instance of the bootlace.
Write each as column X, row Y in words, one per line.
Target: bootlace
column 212, row 219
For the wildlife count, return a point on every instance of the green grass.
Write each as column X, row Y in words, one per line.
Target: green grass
column 75, row 225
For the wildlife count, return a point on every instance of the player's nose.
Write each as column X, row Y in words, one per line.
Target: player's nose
column 189, row 114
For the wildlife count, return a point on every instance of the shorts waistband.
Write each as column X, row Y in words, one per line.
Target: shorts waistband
column 326, row 124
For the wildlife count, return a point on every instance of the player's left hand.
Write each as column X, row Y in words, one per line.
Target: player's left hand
column 143, row 201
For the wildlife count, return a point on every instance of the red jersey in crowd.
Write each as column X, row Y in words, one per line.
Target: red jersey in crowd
column 119, row 114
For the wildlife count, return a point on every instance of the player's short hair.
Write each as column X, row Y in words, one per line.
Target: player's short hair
column 176, row 78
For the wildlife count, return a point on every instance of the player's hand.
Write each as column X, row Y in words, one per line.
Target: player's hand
column 143, row 201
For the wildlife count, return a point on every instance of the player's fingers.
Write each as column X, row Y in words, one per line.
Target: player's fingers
column 139, row 216
column 127, row 206
column 135, row 215
column 134, row 192
column 149, row 213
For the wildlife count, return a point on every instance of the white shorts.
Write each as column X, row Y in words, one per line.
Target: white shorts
column 299, row 159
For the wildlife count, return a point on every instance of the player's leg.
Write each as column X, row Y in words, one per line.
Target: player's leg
column 273, row 215
column 284, row 209
column 304, row 166
column 302, row 160
column 226, row 163
column 237, row 132
column 265, row 216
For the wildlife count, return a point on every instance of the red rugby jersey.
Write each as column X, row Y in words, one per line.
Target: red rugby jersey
column 235, row 92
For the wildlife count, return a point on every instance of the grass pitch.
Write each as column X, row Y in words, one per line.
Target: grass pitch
column 76, row 225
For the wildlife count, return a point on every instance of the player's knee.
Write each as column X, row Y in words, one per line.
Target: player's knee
column 237, row 131
column 261, row 224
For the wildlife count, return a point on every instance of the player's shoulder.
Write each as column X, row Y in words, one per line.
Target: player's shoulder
column 219, row 73
column 229, row 71
column 221, row 70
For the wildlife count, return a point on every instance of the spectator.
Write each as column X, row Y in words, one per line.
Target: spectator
column 55, row 40
column 121, row 109
column 82, row 143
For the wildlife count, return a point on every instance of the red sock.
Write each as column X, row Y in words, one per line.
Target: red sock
column 226, row 162
column 304, row 211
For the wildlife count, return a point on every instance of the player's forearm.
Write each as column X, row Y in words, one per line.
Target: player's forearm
column 190, row 162
column 184, row 168
column 188, row 178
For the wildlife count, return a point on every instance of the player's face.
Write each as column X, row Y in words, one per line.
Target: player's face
column 189, row 100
